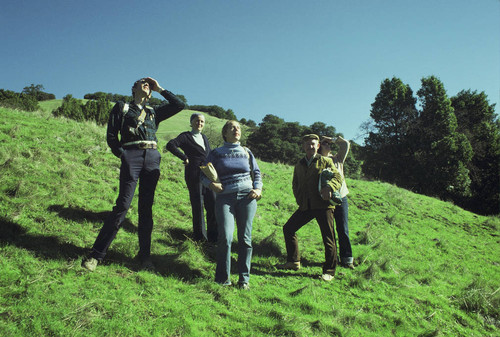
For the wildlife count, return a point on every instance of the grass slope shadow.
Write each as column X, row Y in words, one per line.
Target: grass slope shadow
column 79, row 215
column 48, row 247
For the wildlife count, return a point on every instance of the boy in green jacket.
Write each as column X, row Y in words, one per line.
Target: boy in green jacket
column 312, row 204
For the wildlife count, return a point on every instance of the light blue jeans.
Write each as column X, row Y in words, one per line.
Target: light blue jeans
column 341, row 215
column 229, row 207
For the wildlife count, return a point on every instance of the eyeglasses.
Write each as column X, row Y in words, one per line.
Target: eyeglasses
column 325, row 143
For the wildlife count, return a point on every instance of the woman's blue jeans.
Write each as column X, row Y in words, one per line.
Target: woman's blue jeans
column 341, row 215
column 228, row 208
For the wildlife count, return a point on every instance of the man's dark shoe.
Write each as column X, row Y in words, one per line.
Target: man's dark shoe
column 147, row 264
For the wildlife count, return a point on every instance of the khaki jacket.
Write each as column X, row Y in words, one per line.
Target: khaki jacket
column 305, row 183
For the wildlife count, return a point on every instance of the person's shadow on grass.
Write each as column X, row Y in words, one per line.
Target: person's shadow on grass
column 50, row 247
column 80, row 215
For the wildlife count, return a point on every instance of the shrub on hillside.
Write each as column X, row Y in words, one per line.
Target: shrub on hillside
column 97, row 110
column 70, row 108
column 14, row 100
column 93, row 110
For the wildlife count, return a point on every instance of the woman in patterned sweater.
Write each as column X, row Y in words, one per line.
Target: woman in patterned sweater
column 236, row 193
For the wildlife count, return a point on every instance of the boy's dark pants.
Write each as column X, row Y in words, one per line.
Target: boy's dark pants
column 324, row 217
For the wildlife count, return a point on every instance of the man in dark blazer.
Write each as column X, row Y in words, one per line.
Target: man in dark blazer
column 195, row 148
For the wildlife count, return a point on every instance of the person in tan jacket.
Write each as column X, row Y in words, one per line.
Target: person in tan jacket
column 341, row 213
column 313, row 204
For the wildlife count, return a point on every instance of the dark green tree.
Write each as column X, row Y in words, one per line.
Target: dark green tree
column 33, row 90
column 251, row 123
column 290, row 148
column 264, row 141
column 477, row 120
column 388, row 151
column 37, row 92
column 277, row 141
column 443, row 154
column 229, row 115
column 321, row 129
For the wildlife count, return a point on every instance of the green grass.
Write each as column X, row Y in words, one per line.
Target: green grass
column 424, row 267
column 50, row 105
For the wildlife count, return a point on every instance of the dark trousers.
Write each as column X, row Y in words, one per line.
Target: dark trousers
column 137, row 165
column 201, row 196
column 341, row 214
column 324, row 217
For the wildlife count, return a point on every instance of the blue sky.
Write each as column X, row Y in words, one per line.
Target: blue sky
column 304, row 61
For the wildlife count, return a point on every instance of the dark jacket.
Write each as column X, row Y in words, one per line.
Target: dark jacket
column 190, row 150
column 127, row 124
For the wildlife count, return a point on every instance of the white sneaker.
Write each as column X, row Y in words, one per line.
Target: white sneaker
column 327, row 277
column 89, row 263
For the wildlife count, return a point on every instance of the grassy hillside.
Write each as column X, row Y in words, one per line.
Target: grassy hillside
column 168, row 129
column 424, row 267
column 50, row 105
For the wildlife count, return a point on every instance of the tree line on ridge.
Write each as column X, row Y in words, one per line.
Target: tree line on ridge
column 447, row 147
